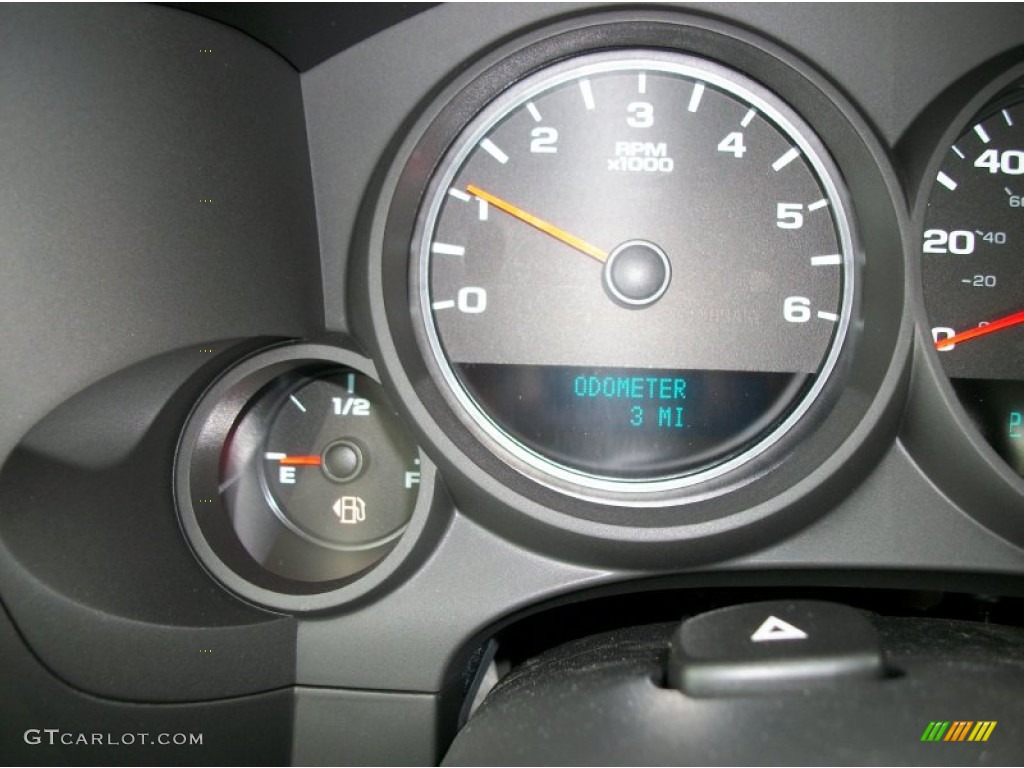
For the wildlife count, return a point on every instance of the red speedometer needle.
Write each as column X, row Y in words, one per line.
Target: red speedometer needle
column 300, row 461
column 982, row 330
column 547, row 228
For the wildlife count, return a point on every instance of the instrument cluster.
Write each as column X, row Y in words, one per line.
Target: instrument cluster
column 334, row 355
column 634, row 272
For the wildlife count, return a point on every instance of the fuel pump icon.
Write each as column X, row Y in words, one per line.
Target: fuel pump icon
column 350, row 510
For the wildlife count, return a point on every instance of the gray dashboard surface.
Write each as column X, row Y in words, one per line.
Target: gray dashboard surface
column 115, row 130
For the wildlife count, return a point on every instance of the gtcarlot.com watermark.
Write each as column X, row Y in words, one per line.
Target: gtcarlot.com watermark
column 55, row 736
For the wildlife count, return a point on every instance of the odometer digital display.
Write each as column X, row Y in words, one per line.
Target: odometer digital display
column 631, row 423
column 634, row 270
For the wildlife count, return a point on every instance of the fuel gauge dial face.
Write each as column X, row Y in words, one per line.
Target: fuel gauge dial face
column 336, row 469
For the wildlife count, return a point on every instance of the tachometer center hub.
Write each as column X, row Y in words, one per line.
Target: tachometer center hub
column 637, row 274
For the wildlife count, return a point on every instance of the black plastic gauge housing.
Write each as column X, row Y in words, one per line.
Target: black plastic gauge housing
column 937, row 429
column 268, row 534
column 804, row 473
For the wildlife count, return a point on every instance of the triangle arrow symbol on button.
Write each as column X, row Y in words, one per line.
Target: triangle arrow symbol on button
column 775, row 628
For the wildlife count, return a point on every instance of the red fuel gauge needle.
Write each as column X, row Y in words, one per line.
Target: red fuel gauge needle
column 1003, row 323
column 300, row 461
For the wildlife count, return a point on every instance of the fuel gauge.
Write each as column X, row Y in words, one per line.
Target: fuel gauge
column 336, row 468
column 296, row 478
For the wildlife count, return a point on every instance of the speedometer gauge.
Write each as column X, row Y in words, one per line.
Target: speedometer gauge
column 634, row 270
column 973, row 272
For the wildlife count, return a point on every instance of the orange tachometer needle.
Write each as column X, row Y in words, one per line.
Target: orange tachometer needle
column 983, row 330
column 548, row 229
column 300, row 461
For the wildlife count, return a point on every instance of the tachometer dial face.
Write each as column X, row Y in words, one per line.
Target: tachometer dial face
column 635, row 271
column 973, row 273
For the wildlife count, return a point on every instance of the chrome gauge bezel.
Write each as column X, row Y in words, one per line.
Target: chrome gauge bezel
column 542, row 468
column 938, row 431
column 801, row 476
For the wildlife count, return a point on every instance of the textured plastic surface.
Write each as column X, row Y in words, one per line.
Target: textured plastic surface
column 97, row 574
column 335, row 727
column 154, row 196
column 49, row 723
column 309, row 33
column 600, row 701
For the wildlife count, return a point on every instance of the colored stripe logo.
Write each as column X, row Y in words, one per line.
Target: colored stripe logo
column 958, row 730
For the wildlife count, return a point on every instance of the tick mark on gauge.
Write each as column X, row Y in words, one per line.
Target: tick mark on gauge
column 534, row 112
column 747, row 118
column 445, row 304
column 830, row 260
column 298, row 405
column 458, row 194
column 830, row 316
column 786, row 159
column 817, row 206
column 695, row 97
column 945, row 181
column 588, row 95
column 494, row 151
column 1006, row 117
column 982, row 133
column 958, row 152
column 444, row 249
column 641, row 83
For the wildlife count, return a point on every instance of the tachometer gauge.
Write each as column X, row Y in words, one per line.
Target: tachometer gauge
column 973, row 272
column 634, row 270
